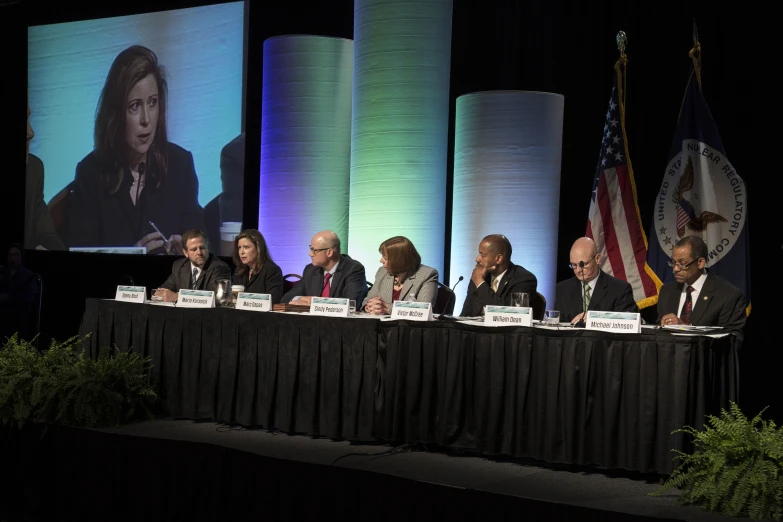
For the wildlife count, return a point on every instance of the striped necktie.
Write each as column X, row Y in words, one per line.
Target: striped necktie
column 586, row 298
column 194, row 278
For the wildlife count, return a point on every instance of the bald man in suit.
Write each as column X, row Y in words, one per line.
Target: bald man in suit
column 606, row 293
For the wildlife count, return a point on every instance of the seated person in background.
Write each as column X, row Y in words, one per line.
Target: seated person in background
column 227, row 206
column 600, row 291
column 401, row 278
column 39, row 230
column 255, row 269
column 18, row 289
column 134, row 176
column 330, row 273
column 495, row 277
column 198, row 270
column 697, row 297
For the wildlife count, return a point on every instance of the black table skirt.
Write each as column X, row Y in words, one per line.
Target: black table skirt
column 570, row 396
column 278, row 371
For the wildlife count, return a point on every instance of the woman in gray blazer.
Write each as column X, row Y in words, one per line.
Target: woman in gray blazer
column 401, row 278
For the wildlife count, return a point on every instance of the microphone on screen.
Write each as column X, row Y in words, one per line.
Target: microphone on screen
column 142, row 168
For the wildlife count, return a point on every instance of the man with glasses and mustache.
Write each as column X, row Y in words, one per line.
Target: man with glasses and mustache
column 591, row 288
column 330, row 273
column 697, row 297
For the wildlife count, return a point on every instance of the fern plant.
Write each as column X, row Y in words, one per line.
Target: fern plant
column 736, row 468
column 63, row 385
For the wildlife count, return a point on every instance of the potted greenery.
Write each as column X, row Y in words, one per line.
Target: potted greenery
column 736, row 468
column 63, row 385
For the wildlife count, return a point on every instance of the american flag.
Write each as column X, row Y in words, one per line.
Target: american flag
column 614, row 222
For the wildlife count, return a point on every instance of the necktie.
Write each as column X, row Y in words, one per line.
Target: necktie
column 326, row 288
column 687, row 306
column 194, row 278
column 494, row 284
column 586, row 298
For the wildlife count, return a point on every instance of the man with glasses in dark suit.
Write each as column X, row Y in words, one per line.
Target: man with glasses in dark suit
column 329, row 274
column 697, row 297
column 591, row 288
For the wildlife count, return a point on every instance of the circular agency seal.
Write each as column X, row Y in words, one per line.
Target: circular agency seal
column 701, row 195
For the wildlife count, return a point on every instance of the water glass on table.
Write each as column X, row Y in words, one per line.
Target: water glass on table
column 352, row 306
column 552, row 317
column 520, row 299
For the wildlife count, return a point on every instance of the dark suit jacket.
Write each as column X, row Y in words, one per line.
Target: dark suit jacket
column 516, row 279
column 181, row 272
column 268, row 281
column 96, row 218
column 719, row 304
column 610, row 295
column 349, row 281
column 38, row 227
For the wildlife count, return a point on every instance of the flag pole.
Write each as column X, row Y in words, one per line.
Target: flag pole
column 620, row 68
column 695, row 53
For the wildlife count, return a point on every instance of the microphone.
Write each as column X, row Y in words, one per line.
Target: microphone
column 455, row 284
column 142, row 168
column 583, row 321
column 450, row 304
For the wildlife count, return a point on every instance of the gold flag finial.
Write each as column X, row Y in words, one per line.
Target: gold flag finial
column 622, row 42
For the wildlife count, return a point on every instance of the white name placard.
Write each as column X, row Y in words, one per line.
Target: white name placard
column 196, row 298
column 508, row 316
column 411, row 311
column 331, row 306
column 131, row 294
column 617, row 322
column 255, row 302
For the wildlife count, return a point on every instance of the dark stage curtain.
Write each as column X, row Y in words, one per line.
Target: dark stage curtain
column 569, row 396
column 278, row 371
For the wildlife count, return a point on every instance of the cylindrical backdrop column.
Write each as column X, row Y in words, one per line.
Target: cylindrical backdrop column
column 399, row 135
column 305, row 144
column 507, row 154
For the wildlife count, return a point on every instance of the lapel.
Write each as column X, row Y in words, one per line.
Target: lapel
column 317, row 281
column 406, row 287
column 504, row 282
column 338, row 274
column 598, row 293
column 185, row 274
column 705, row 297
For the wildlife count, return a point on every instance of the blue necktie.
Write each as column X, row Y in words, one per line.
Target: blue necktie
column 193, row 279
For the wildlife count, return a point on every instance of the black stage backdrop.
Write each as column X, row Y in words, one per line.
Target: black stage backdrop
column 562, row 46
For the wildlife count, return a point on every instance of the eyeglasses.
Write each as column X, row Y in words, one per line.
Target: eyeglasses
column 675, row 264
column 574, row 266
column 316, row 250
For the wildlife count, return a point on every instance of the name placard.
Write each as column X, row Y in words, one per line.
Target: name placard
column 196, row 298
column 617, row 322
column 508, row 316
column 411, row 311
column 131, row 294
column 331, row 306
column 255, row 302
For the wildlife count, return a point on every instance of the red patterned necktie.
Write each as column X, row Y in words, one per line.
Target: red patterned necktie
column 326, row 288
column 685, row 316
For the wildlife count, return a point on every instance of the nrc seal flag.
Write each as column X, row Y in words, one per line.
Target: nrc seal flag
column 701, row 195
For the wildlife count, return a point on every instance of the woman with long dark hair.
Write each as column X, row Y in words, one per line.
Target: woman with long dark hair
column 255, row 269
column 134, row 176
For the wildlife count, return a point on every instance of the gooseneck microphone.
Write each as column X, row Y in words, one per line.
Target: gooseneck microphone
column 455, row 284
column 583, row 321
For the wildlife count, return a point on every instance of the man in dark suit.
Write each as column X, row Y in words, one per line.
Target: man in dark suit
column 591, row 288
column 697, row 297
column 39, row 230
column 495, row 277
column 330, row 274
column 198, row 270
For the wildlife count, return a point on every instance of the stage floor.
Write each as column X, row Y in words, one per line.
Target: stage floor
column 617, row 492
